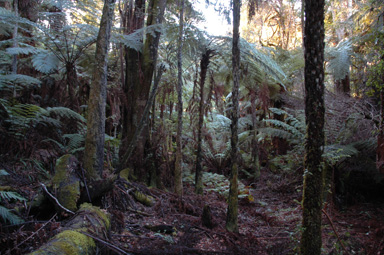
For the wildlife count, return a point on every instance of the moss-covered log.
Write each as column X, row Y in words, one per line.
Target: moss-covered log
column 72, row 240
column 66, row 182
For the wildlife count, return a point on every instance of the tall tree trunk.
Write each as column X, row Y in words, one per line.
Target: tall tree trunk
column 314, row 113
column 94, row 142
column 141, row 75
column 15, row 43
column 255, row 144
column 380, row 137
column 132, row 18
column 199, row 169
column 232, row 212
column 179, row 159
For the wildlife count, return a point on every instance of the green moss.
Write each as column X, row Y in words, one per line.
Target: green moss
column 125, row 174
column 96, row 210
column 66, row 183
column 61, row 169
column 144, row 199
column 68, row 242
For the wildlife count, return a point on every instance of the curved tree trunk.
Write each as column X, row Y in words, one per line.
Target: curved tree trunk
column 232, row 213
column 314, row 113
column 94, row 142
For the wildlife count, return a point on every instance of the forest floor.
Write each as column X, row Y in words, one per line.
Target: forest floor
column 270, row 224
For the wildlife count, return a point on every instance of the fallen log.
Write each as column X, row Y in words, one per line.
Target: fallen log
column 75, row 238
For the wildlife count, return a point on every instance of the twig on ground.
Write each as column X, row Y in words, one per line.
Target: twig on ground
column 54, row 198
column 34, row 233
column 334, row 230
column 111, row 246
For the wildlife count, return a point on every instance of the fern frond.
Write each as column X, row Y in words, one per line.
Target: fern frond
column 287, row 127
column 9, row 80
column 45, row 62
column 75, row 141
column 340, row 59
column 21, row 50
column 66, row 113
column 9, row 195
column 58, row 144
column 279, row 133
column 337, row 152
column 7, row 215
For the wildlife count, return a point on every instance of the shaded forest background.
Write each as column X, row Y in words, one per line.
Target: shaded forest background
column 168, row 92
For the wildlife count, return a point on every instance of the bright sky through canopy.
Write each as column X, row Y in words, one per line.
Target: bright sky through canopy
column 215, row 23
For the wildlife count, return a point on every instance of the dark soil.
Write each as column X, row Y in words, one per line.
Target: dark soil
column 268, row 225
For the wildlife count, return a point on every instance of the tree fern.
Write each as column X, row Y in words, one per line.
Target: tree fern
column 339, row 59
column 19, row 81
column 45, row 61
column 291, row 128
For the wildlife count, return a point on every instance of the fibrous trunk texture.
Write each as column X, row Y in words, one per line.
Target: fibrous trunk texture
column 199, row 157
column 232, row 213
column 314, row 113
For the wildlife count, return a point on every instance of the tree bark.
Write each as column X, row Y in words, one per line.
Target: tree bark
column 94, row 142
column 141, row 76
column 179, row 155
column 314, row 112
column 380, row 137
column 232, row 212
column 132, row 19
column 199, row 157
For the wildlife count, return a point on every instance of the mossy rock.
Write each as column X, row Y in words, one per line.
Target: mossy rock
column 66, row 183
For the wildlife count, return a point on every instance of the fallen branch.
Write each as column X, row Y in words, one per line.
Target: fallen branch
column 111, row 246
column 334, row 230
column 54, row 198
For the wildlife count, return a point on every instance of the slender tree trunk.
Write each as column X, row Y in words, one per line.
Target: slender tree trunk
column 232, row 212
column 255, row 144
column 179, row 155
column 343, row 86
column 199, row 169
column 314, row 113
column 94, row 142
column 15, row 43
column 380, row 137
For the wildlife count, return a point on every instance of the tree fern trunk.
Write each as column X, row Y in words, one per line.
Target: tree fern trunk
column 314, row 112
column 232, row 212
column 94, row 142
column 199, row 169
